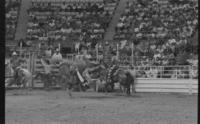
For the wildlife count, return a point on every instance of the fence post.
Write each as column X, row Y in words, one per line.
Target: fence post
column 190, row 80
column 32, row 67
column 162, row 69
column 132, row 45
column 97, row 52
column 20, row 49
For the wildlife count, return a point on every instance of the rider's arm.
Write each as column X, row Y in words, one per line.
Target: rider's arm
column 42, row 61
column 60, row 56
column 116, row 71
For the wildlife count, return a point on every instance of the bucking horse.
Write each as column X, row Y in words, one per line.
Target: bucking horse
column 22, row 77
column 125, row 77
column 71, row 74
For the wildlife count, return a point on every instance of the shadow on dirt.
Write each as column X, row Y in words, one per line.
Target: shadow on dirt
column 111, row 96
column 98, row 97
column 125, row 96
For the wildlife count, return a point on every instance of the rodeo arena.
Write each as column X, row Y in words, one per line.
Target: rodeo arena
column 101, row 62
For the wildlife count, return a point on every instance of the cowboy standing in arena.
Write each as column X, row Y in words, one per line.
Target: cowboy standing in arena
column 47, row 72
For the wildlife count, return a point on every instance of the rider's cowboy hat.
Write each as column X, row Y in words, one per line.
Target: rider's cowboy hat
column 14, row 53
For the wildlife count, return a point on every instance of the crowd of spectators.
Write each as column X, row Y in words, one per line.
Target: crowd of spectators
column 166, row 27
column 71, row 21
column 12, row 13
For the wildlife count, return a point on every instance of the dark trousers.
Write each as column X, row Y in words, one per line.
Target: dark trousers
column 47, row 80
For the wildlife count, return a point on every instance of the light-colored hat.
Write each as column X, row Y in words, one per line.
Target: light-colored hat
column 14, row 53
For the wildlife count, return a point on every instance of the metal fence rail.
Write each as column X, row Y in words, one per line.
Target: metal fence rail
column 166, row 72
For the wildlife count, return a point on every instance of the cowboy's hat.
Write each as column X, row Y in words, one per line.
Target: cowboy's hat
column 14, row 53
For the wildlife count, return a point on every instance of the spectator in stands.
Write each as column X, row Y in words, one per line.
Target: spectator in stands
column 48, row 52
column 58, row 27
column 12, row 9
column 57, row 57
column 167, row 21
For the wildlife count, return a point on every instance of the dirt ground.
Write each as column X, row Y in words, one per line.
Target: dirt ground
column 55, row 107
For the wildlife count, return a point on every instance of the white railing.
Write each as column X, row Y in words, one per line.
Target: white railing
column 154, row 72
column 61, row 1
column 69, row 56
column 166, row 72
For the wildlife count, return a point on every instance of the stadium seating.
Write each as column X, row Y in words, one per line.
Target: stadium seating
column 165, row 26
column 69, row 20
column 12, row 13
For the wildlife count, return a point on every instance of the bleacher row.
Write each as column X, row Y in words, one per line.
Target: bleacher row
column 150, row 18
column 69, row 21
column 12, row 13
column 165, row 28
column 60, row 1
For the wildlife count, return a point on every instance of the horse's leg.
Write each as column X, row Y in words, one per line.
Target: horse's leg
column 24, row 84
column 133, row 87
column 106, row 88
column 112, row 87
column 44, row 80
column 48, row 82
column 97, row 86
column 80, row 87
column 121, row 88
column 62, row 83
column 30, row 83
column 128, row 90
column 69, row 91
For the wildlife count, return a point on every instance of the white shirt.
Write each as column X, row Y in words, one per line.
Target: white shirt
column 120, row 25
column 57, row 57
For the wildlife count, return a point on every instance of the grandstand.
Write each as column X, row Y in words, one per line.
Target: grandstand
column 159, row 38
column 163, row 29
column 163, row 33
column 69, row 22
column 159, row 29
column 12, row 13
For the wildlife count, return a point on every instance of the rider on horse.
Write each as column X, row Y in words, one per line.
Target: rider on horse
column 15, row 65
column 112, row 72
column 26, row 77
